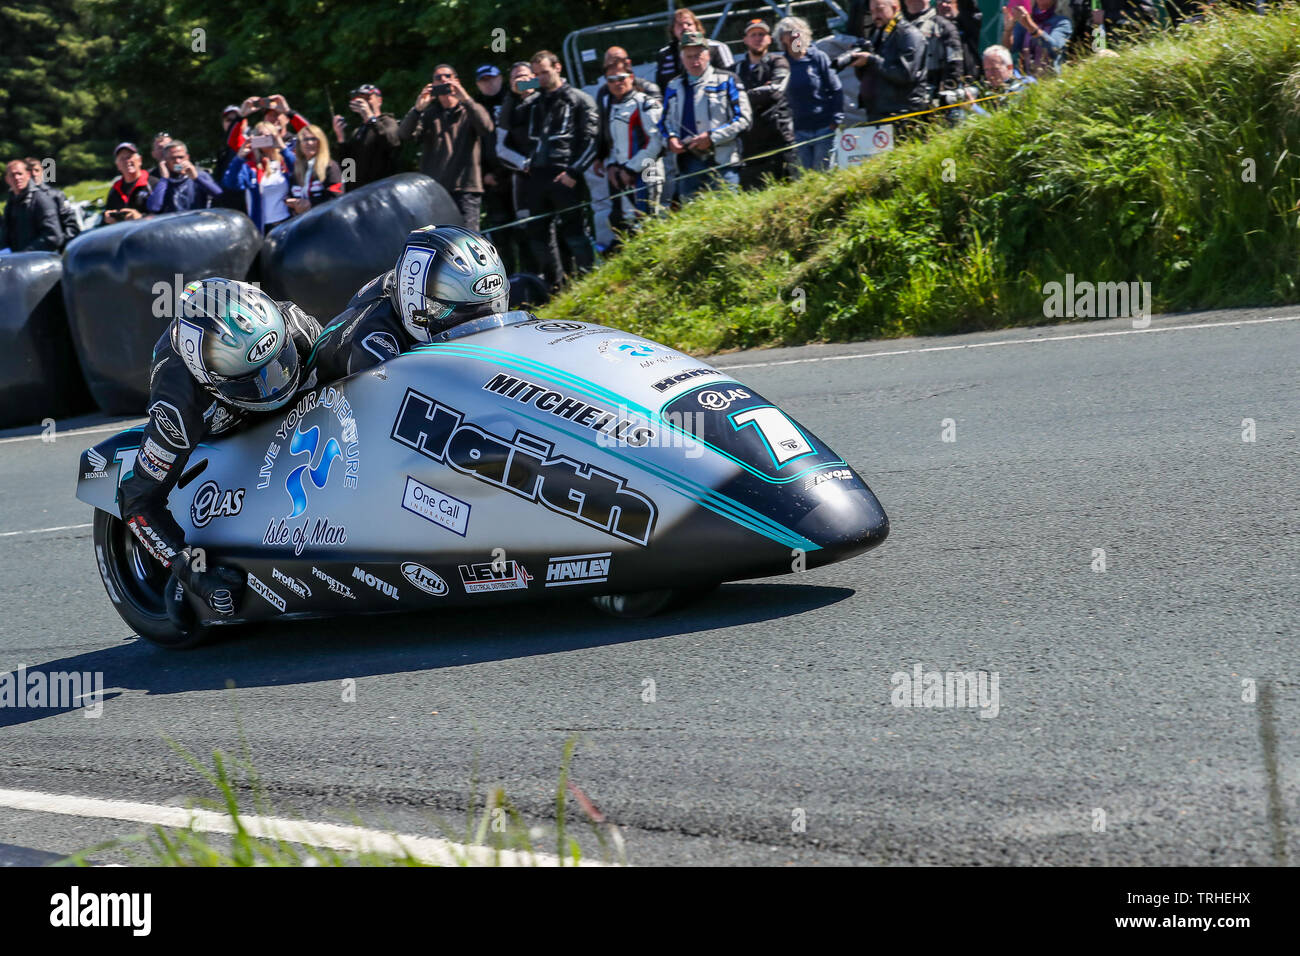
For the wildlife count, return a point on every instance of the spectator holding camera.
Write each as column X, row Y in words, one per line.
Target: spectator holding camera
column 316, row 177
column 630, row 144
column 1040, row 36
column 705, row 112
column 128, row 195
column 31, row 218
column 668, row 61
column 451, row 129
column 374, row 144
column 185, row 187
column 815, row 94
column 263, row 170
column 891, row 66
column 765, row 76
column 275, row 109
column 158, row 150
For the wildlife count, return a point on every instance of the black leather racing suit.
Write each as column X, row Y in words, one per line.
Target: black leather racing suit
column 181, row 414
column 367, row 332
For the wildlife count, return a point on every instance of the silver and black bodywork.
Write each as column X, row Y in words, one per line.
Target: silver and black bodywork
column 511, row 459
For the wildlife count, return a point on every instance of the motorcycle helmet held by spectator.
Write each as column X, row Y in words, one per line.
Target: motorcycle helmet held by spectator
column 234, row 340
column 447, row 275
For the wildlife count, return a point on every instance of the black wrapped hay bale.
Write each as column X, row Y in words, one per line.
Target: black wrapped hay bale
column 122, row 282
column 39, row 375
column 321, row 258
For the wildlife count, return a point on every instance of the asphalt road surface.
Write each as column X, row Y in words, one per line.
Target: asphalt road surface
column 1144, row 714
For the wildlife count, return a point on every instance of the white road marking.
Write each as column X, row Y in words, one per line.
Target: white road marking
column 62, row 527
column 989, row 345
column 119, row 427
column 332, row 836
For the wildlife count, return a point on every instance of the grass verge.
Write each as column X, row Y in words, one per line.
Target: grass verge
column 1174, row 164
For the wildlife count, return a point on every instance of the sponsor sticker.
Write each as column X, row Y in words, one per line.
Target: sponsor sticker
column 489, row 285
column 525, row 465
column 436, row 506
column 380, row 585
column 98, row 465
column 424, row 579
column 211, row 502
column 293, row 584
column 578, row 569
column 666, row 383
column 415, row 265
column 334, row 584
column 265, row 592
column 720, row 399
column 148, row 537
column 617, row 425
column 190, row 338
column 835, row 474
column 507, row 575
column 154, row 460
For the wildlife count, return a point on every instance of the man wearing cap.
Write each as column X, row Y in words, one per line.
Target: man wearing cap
column 491, row 88
column 374, row 145
column 451, row 129
column 128, row 195
column 705, row 111
column 765, row 75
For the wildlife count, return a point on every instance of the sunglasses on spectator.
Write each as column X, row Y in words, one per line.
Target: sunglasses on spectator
column 618, row 77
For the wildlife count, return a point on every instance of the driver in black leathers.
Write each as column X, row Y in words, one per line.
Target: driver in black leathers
column 232, row 353
column 446, row 275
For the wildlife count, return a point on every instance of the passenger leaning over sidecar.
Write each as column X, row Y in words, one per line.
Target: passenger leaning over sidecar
column 231, row 354
column 445, row 275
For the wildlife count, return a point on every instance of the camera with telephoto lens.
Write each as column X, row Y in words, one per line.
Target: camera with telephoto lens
column 951, row 95
column 845, row 59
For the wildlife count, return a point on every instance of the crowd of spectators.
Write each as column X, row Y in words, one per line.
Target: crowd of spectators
column 515, row 157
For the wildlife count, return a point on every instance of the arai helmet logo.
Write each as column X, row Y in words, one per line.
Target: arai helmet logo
column 490, row 284
column 264, row 346
column 424, row 579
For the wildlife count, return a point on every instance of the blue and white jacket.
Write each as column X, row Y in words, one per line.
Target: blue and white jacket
column 721, row 109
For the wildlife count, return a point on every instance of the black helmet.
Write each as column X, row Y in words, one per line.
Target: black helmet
column 446, row 275
column 233, row 339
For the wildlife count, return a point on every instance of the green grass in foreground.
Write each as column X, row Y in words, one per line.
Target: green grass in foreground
column 87, row 190
column 493, row 827
column 1136, row 168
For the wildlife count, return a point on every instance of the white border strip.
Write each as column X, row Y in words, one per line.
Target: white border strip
column 332, row 836
column 62, row 527
column 95, row 430
column 989, row 345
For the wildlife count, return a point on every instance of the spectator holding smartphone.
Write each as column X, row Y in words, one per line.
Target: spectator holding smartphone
column 263, row 171
column 158, row 150
column 128, row 195
column 1040, row 36
column 316, row 177
column 31, row 219
column 186, row 186
column 450, row 128
column 373, row 145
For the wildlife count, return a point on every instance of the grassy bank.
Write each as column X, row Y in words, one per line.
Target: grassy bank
column 1172, row 164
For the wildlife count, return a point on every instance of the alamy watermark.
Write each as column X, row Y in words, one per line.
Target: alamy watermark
column 57, row 690
column 950, row 689
column 1098, row 300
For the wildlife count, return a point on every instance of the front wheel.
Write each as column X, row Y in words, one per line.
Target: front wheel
column 134, row 582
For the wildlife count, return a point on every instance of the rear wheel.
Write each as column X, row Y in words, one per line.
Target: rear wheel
column 649, row 603
column 135, row 581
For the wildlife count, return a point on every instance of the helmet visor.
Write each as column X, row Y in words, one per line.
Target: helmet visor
column 267, row 388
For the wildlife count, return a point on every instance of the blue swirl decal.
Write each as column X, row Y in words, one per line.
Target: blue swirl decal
column 307, row 442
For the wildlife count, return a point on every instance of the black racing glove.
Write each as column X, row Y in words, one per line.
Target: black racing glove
column 221, row 589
